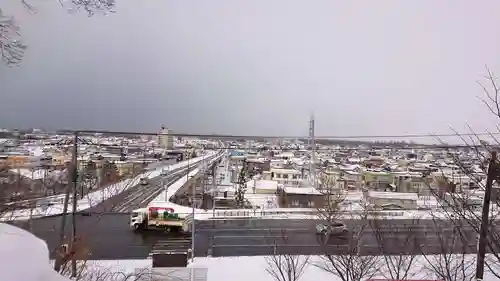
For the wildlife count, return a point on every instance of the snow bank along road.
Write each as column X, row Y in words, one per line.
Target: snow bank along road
column 102, row 200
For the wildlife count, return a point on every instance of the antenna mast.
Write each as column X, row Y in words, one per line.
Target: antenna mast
column 312, row 145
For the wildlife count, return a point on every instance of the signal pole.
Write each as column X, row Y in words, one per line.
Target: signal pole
column 483, row 234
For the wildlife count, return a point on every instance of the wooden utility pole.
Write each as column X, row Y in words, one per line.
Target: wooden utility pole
column 483, row 234
column 58, row 261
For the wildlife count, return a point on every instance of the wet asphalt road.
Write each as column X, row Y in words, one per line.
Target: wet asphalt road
column 109, row 237
column 265, row 237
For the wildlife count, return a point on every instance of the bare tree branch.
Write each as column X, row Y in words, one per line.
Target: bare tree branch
column 11, row 49
column 349, row 263
column 284, row 266
column 91, row 7
column 397, row 247
column 447, row 255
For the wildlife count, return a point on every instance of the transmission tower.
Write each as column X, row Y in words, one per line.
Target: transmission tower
column 312, row 145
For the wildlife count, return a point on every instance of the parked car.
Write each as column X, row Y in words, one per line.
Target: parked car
column 335, row 228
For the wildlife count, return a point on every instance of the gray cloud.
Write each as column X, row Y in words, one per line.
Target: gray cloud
column 255, row 67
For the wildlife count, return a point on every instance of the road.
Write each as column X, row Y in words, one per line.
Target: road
column 109, row 237
column 139, row 195
column 263, row 237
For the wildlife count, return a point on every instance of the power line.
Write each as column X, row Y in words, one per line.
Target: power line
column 372, row 146
column 334, row 149
column 259, row 137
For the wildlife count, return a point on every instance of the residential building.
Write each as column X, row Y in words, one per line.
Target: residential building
column 300, row 197
column 262, row 186
column 391, row 200
column 165, row 139
column 411, row 182
column 286, row 176
column 377, row 180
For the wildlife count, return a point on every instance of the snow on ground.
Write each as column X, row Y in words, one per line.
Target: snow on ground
column 98, row 196
column 254, row 268
column 24, row 256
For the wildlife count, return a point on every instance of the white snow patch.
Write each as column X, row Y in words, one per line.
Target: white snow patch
column 254, row 268
column 24, row 256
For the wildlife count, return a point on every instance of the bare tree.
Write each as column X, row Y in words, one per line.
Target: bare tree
column 12, row 49
column 397, row 245
column 331, row 210
column 343, row 255
column 349, row 264
column 87, row 271
column 446, row 252
column 460, row 192
column 284, row 266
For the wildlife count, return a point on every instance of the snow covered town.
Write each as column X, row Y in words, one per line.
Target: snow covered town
column 164, row 207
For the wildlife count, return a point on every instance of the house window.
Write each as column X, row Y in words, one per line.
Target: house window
column 311, row 204
column 295, row 203
column 277, row 176
column 285, row 176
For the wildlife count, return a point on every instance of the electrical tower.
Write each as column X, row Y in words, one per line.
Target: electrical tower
column 311, row 142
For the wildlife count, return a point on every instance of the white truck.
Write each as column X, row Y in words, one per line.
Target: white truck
column 159, row 218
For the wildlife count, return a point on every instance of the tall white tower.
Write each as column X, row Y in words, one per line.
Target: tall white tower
column 165, row 139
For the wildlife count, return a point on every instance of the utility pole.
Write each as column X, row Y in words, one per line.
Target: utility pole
column 483, row 234
column 58, row 260
column 193, row 191
column 214, row 188
column 74, row 176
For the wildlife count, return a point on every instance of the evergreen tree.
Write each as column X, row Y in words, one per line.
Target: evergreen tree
column 242, row 187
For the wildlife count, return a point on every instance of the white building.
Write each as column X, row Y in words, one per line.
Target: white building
column 165, row 139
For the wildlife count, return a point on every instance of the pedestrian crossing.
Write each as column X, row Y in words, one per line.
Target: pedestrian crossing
column 171, row 245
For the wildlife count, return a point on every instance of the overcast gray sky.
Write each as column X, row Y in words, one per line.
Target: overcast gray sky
column 255, row 67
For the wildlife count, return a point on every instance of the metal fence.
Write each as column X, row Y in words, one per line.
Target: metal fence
column 172, row 273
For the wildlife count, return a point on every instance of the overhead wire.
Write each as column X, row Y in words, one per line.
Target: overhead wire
column 349, row 147
column 259, row 137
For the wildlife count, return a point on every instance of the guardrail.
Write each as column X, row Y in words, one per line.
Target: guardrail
column 54, row 199
column 196, row 174
column 312, row 212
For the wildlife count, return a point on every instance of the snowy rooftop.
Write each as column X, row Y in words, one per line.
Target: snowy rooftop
column 302, row 190
column 393, row 195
